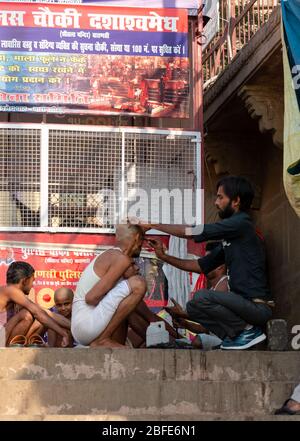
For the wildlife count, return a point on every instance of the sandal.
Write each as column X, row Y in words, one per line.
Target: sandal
column 18, row 341
column 285, row 410
column 36, row 341
column 170, row 345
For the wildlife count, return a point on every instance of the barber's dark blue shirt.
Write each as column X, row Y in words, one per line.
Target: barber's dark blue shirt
column 241, row 250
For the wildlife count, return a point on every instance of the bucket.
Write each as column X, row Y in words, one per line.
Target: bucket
column 156, row 334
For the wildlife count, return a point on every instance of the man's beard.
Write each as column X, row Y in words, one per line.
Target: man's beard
column 228, row 211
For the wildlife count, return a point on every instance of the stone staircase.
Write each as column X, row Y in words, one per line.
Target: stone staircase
column 144, row 384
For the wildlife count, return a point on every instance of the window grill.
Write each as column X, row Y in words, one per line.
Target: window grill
column 19, row 177
column 84, row 179
column 81, row 167
column 159, row 165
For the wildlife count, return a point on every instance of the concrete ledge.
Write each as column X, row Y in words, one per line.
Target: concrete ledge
column 144, row 384
column 148, row 365
column 201, row 417
column 87, row 397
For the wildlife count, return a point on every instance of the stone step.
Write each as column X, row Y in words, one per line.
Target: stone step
column 133, row 398
column 110, row 418
column 142, row 365
column 157, row 384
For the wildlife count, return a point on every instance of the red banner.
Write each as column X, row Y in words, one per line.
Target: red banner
column 53, row 269
column 59, row 266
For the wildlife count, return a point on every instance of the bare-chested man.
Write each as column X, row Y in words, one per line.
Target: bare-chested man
column 103, row 299
column 20, row 278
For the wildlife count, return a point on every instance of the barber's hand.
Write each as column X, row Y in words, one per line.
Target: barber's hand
column 179, row 322
column 175, row 311
column 143, row 224
column 158, row 247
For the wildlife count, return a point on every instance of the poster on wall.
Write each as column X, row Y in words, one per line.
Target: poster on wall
column 182, row 4
column 62, row 267
column 90, row 59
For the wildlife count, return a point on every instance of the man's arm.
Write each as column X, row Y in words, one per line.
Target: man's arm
column 51, row 338
column 108, row 281
column 59, row 319
column 176, row 311
column 196, row 328
column 17, row 296
column 225, row 229
column 182, row 264
column 174, row 230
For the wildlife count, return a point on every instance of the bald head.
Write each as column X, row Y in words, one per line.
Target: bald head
column 63, row 299
column 125, row 231
column 130, row 237
column 65, row 293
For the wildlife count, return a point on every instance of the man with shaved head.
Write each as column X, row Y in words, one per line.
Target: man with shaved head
column 63, row 298
column 108, row 291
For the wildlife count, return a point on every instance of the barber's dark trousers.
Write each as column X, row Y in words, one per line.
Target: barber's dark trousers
column 226, row 313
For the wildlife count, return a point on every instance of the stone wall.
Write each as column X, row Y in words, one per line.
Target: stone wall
column 255, row 156
column 281, row 228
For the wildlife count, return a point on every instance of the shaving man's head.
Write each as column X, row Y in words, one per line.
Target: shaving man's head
column 130, row 239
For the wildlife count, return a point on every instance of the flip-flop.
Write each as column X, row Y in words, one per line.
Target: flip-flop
column 170, row 345
column 18, row 341
column 36, row 341
column 285, row 410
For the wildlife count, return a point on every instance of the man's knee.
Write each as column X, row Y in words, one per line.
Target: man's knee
column 191, row 307
column 26, row 315
column 203, row 295
column 198, row 302
column 137, row 284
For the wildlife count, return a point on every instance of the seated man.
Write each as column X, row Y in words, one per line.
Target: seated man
column 103, row 299
column 217, row 281
column 63, row 299
column 238, row 316
column 141, row 318
column 19, row 278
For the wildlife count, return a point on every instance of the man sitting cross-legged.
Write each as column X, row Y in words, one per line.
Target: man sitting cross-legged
column 103, row 299
column 20, row 278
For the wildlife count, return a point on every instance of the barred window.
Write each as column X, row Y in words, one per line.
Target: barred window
column 74, row 178
column 19, row 177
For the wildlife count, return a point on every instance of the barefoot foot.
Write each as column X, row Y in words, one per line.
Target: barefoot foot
column 106, row 343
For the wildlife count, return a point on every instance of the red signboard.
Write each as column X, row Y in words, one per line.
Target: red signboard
column 60, row 265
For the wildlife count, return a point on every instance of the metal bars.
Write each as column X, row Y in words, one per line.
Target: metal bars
column 85, row 179
column 239, row 21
